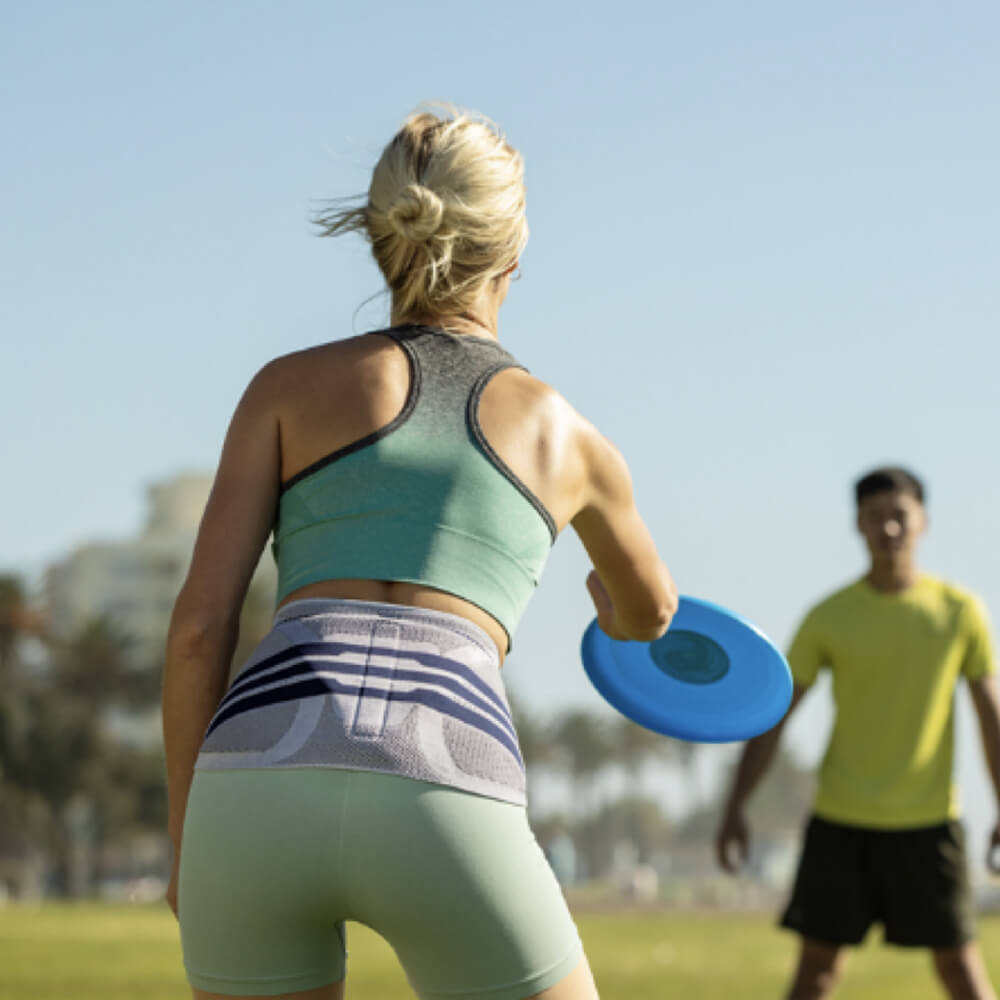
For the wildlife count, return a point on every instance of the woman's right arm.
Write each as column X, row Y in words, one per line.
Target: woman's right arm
column 632, row 589
column 205, row 622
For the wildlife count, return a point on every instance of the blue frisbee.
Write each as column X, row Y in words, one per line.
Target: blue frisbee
column 713, row 677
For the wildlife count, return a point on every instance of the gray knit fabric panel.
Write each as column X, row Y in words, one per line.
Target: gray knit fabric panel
column 372, row 687
column 450, row 367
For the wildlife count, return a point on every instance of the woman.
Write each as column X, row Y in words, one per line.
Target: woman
column 363, row 766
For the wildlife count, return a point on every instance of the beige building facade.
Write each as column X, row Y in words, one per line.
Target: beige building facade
column 133, row 583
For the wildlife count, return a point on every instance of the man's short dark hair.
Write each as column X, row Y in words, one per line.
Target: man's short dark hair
column 890, row 477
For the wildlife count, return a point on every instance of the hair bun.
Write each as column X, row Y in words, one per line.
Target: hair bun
column 416, row 213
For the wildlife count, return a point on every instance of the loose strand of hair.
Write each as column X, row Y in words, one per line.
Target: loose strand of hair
column 342, row 215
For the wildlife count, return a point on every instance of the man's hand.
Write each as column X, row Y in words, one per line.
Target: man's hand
column 734, row 830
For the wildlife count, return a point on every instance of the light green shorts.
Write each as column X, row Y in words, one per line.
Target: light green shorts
column 274, row 861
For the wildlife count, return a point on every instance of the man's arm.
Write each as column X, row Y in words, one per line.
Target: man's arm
column 986, row 701
column 757, row 755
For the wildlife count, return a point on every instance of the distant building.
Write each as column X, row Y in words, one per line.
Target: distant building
column 134, row 583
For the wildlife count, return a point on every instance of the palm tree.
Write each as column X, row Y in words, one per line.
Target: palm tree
column 598, row 836
column 13, row 618
column 536, row 745
column 635, row 746
column 585, row 748
column 91, row 664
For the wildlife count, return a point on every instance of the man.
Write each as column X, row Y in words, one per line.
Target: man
column 884, row 843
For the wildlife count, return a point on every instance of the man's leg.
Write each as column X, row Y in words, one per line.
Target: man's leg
column 928, row 903
column 831, row 906
column 818, row 970
column 962, row 971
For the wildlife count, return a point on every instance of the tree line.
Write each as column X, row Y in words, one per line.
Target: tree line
column 614, row 766
column 63, row 776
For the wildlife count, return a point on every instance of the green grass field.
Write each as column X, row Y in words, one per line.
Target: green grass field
column 93, row 952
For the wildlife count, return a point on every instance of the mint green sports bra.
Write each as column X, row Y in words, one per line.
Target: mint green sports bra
column 424, row 499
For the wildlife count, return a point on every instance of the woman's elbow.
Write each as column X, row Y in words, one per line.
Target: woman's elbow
column 195, row 634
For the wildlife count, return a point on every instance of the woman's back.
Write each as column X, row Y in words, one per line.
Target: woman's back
column 336, row 394
column 330, row 400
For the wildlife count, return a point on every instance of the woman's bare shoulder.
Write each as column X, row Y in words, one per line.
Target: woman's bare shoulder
column 299, row 369
column 360, row 346
column 526, row 389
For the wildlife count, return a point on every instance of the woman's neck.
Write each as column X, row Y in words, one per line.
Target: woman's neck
column 465, row 322
column 478, row 318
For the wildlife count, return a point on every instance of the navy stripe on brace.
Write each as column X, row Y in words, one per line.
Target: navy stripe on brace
column 323, row 686
column 333, row 647
column 303, row 667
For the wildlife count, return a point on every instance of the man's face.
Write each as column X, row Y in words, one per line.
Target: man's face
column 891, row 522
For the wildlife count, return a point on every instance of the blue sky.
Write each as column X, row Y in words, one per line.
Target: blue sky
column 764, row 256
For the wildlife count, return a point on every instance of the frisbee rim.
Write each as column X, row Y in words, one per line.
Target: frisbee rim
column 716, row 714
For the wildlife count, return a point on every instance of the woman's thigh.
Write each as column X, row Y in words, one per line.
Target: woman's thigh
column 459, row 887
column 260, row 908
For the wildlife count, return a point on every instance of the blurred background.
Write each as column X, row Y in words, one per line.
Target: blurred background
column 764, row 258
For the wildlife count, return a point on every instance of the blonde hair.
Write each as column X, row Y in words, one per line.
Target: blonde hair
column 444, row 213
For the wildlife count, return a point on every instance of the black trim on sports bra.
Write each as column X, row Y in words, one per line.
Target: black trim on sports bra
column 377, row 435
column 472, row 415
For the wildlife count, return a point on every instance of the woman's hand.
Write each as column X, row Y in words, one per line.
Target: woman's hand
column 606, row 618
column 172, row 885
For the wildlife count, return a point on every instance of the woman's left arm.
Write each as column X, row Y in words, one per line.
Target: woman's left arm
column 204, row 627
column 987, row 705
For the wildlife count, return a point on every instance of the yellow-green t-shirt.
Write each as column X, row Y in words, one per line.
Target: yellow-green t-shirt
column 895, row 660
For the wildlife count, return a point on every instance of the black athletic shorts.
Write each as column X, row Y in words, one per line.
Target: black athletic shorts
column 913, row 882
